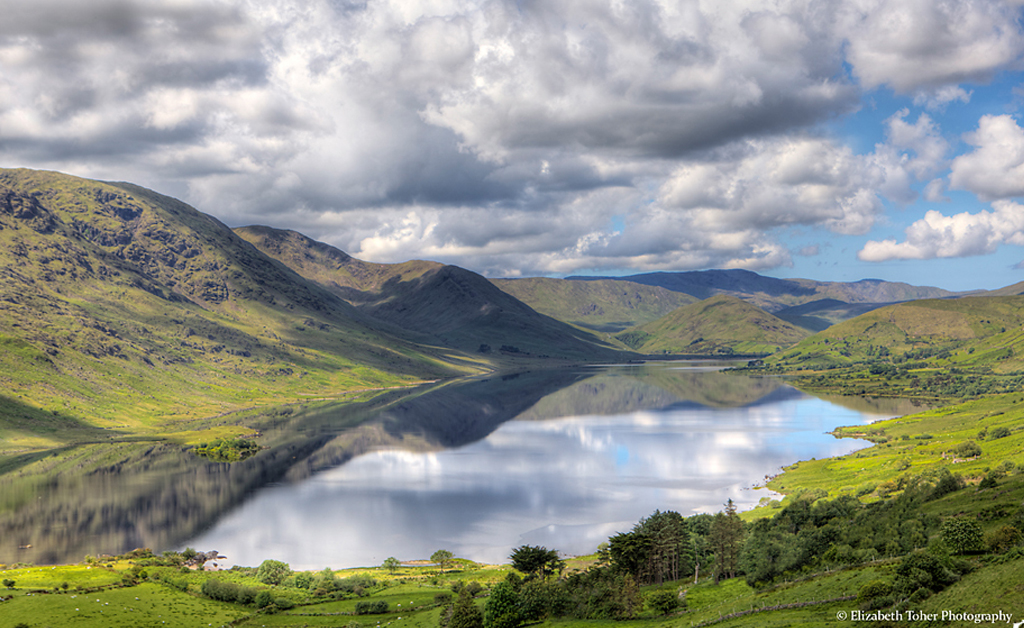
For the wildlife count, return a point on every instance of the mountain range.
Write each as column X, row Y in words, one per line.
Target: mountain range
column 121, row 307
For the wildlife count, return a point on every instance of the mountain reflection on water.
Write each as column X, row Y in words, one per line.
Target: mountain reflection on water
column 559, row 458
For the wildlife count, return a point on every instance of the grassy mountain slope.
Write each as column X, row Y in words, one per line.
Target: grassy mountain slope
column 430, row 302
column 970, row 332
column 1008, row 291
column 772, row 294
column 606, row 306
column 120, row 305
column 823, row 313
column 720, row 325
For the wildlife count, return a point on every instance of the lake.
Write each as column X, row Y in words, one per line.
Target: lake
column 566, row 470
column 562, row 458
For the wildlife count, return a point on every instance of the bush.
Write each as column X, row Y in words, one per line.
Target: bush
column 1003, row 539
column 998, row 432
column 962, row 535
column 947, row 483
column 228, row 592
column 990, row 480
column 443, row 599
column 967, row 449
column 664, row 601
column 375, row 607
column 872, row 590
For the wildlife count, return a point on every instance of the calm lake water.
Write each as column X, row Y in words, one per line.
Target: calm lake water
column 562, row 460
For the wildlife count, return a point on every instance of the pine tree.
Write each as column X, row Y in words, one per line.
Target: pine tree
column 726, row 540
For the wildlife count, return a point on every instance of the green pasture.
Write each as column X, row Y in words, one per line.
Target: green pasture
column 915, row 444
column 144, row 606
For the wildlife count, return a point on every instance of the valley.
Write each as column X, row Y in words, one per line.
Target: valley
column 135, row 328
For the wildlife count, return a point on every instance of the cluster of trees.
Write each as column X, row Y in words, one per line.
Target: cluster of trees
column 808, row 535
column 227, row 449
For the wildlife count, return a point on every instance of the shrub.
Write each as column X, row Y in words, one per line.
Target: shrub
column 967, row 449
column 443, row 599
column 264, row 599
column 664, row 601
column 375, row 607
column 962, row 535
column 871, row 591
column 947, row 483
column 998, row 432
column 1003, row 539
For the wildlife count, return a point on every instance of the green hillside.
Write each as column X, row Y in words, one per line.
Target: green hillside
column 940, row 349
column 721, row 325
column 970, row 332
column 608, row 306
column 120, row 306
column 432, row 303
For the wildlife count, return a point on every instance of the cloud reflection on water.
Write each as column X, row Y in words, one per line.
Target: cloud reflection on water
column 565, row 483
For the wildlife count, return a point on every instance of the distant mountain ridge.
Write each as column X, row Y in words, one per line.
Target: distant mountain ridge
column 772, row 294
column 606, row 306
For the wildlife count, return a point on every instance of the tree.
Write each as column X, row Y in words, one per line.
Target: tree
column 324, row 582
column 726, row 540
column 536, row 561
column 443, row 558
column 273, row 571
column 659, row 548
column 962, row 535
column 465, row 613
column 503, row 608
column 671, row 548
column 391, row 564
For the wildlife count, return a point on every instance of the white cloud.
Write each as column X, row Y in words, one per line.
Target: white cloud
column 938, row 99
column 523, row 137
column 960, row 235
column 995, row 168
column 912, row 45
column 923, row 138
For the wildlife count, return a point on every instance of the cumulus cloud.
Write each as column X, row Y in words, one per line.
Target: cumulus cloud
column 526, row 137
column 995, row 168
column 959, row 235
column 913, row 45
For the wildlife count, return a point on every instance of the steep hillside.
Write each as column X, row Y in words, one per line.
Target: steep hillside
column 120, row 305
column 720, row 325
column 608, row 306
column 432, row 303
column 970, row 332
column 773, row 295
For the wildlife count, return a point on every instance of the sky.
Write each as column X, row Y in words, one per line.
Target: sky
column 828, row 139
